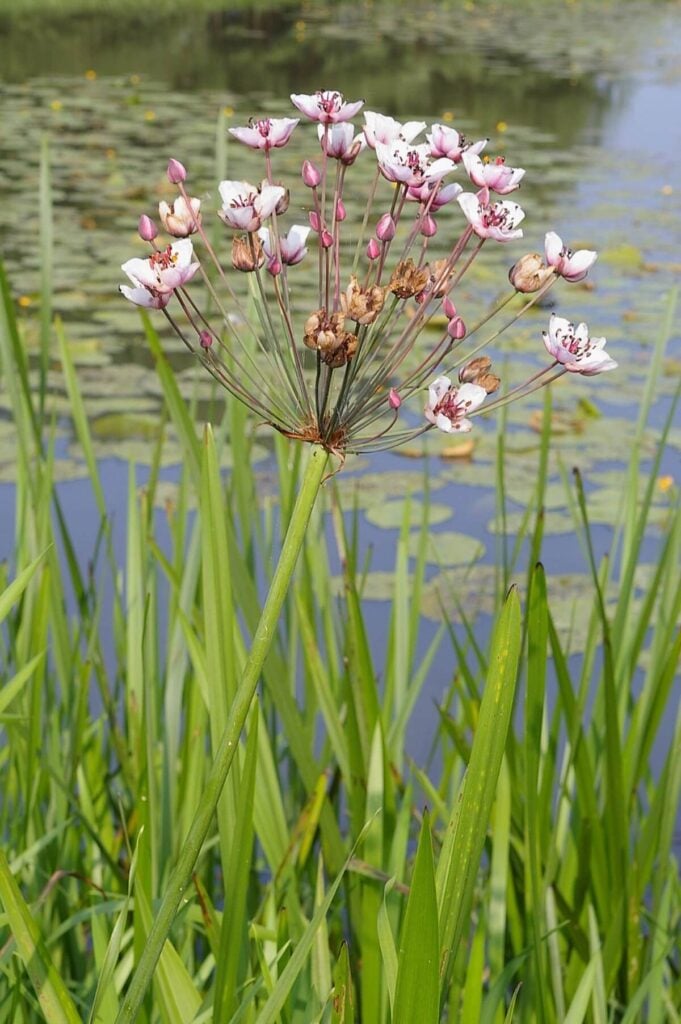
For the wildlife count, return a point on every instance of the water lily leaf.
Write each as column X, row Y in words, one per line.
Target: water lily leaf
column 448, row 548
column 624, row 256
column 390, row 515
column 120, row 426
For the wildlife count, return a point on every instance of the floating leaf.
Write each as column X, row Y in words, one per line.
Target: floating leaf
column 390, row 515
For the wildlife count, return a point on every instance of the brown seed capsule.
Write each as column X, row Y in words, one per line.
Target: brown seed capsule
column 247, row 253
column 529, row 273
column 489, row 381
column 469, row 373
column 477, row 372
column 360, row 304
column 343, row 352
column 440, row 276
column 407, row 280
column 323, row 332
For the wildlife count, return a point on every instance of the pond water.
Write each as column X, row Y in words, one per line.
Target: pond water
column 590, row 110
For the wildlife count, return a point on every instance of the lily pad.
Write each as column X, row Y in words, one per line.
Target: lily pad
column 390, row 515
column 448, row 547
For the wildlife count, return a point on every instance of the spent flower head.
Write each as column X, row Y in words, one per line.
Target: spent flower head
column 333, row 336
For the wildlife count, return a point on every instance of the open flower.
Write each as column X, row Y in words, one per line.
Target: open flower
column 574, row 349
column 494, row 174
column 244, row 206
column 292, row 246
column 156, row 278
column 340, row 141
column 443, row 194
column 498, row 221
column 182, row 218
column 326, row 106
column 384, row 129
column 410, row 165
column 573, row 266
column 445, row 141
column 448, row 405
column 268, row 133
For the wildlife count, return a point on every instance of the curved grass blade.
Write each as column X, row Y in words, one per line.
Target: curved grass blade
column 55, row 1001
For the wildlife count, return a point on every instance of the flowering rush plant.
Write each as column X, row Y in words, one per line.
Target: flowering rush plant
column 337, row 354
column 337, row 368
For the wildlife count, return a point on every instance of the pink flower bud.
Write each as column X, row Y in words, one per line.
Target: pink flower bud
column 428, row 227
column 315, row 222
column 274, row 266
column 311, row 175
column 206, row 339
column 394, row 400
column 177, row 172
column 147, row 229
column 385, row 229
column 456, row 328
column 421, row 297
column 373, row 249
column 448, row 307
column 326, row 238
column 340, row 210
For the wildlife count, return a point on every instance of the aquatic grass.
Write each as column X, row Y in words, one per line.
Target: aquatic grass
column 312, row 895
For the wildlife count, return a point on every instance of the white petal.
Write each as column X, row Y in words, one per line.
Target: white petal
column 249, row 136
column 184, row 250
column 470, row 204
column 553, row 246
column 140, row 296
column 139, row 271
column 576, row 267
column 308, row 105
column 236, row 190
column 471, row 395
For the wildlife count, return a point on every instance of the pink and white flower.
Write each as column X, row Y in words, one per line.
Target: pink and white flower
column 448, row 406
column 155, row 279
column 292, row 246
column 573, row 266
column 445, row 141
column 498, row 221
column 267, row 133
column 443, row 194
column 326, row 106
column 340, row 141
column 384, row 129
column 182, row 218
column 244, row 206
column 574, row 349
column 494, row 174
column 410, row 165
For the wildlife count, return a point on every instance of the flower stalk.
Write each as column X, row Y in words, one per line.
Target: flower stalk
column 224, row 757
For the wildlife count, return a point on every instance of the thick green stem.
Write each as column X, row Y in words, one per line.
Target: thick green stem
column 262, row 641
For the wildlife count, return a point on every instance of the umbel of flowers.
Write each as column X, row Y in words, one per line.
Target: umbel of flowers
column 335, row 354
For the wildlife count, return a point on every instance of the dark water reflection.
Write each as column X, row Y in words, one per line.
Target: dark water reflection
column 398, row 68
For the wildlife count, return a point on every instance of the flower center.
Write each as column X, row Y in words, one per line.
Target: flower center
column 264, row 126
column 329, row 102
column 497, row 216
column 451, row 406
column 163, row 260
